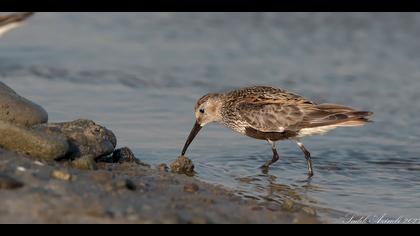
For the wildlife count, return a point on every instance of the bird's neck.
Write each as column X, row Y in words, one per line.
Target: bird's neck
column 217, row 106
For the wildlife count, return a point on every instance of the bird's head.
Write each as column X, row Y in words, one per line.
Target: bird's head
column 207, row 110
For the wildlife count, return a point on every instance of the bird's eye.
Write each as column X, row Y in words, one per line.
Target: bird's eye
column 202, row 110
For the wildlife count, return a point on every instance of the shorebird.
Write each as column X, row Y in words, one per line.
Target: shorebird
column 12, row 21
column 273, row 114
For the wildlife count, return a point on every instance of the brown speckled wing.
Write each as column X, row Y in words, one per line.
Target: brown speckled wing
column 270, row 117
column 277, row 117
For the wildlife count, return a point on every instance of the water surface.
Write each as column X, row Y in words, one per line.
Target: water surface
column 140, row 74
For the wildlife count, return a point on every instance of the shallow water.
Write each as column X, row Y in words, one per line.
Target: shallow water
column 140, row 74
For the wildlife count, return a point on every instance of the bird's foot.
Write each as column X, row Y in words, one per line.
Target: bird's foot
column 264, row 168
column 266, row 165
column 310, row 174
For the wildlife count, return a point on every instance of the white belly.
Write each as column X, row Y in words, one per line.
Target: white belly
column 315, row 131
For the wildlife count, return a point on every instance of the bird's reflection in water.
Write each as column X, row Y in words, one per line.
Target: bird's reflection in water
column 268, row 188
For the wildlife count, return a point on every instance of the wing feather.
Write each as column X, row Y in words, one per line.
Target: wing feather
column 270, row 117
column 281, row 117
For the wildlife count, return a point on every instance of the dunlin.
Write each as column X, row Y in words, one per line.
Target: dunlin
column 12, row 21
column 273, row 114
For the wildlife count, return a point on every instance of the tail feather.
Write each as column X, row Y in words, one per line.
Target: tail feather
column 353, row 122
column 338, row 115
column 334, row 108
column 326, row 117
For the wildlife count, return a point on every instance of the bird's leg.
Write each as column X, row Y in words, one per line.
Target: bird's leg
column 307, row 157
column 275, row 155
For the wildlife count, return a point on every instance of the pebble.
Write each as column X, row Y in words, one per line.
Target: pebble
column 61, row 175
column 183, row 165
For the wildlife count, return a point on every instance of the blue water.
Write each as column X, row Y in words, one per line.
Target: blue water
column 140, row 74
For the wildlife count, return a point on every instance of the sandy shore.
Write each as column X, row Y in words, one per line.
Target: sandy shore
column 52, row 192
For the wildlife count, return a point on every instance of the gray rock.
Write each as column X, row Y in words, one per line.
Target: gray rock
column 123, row 155
column 19, row 110
column 126, row 155
column 85, row 137
column 35, row 143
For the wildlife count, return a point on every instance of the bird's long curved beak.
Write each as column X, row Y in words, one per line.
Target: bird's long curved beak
column 197, row 127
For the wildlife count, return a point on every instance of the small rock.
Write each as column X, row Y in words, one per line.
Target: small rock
column 38, row 144
column 61, row 175
column 38, row 163
column 21, row 168
column 123, row 155
column 85, row 137
column 84, row 163
column 309, row 211
column 163, row 167
column 19, row 110
column 191, row 188
column 7, row 182
column 126, row 155
column 183, row 165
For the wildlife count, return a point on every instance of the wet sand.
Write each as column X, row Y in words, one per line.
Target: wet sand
column 123, row 193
